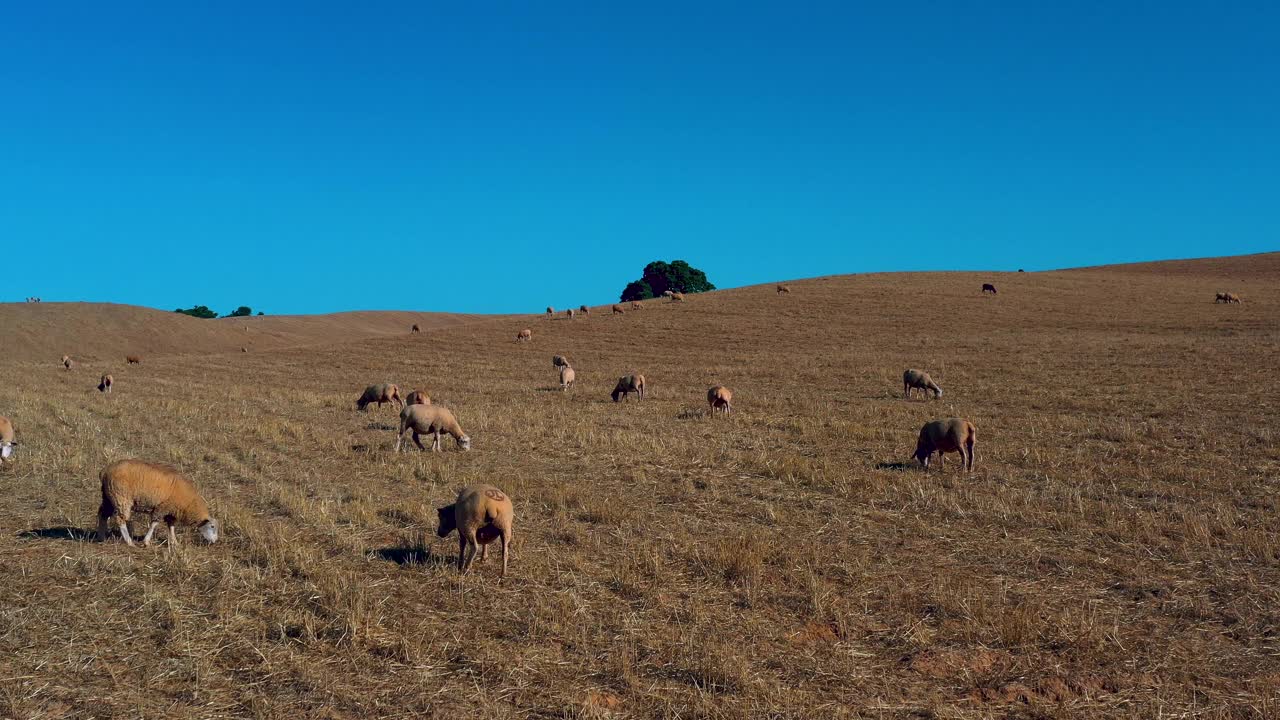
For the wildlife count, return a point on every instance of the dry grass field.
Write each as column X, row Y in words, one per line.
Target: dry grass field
column 1116, row 551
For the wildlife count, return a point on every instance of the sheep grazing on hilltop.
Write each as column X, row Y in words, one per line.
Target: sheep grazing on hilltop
column 667, row 293
column 550, row 311
column 720, row 398
column 628, row 384
column 636, row 305
column 417, row 397
column 481, row 514
column 105, row 385
column 559, row 361
column 431, row 420
column 414, row 328
column 1226, row 297
column 244, row 349
column 524, row 335
column 617, row 309
column 944, row 436
column 677, row 297
column 67, row 362
column 570, row 312
column 988, row 288
column 784, row 290
column 380, row 393
column 584, row 309
column 132, row 360
column 566, row 377
column 130, row 486
column 919, row 380
column 6, row 439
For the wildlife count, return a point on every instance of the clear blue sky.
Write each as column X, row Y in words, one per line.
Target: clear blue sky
column 493, row 157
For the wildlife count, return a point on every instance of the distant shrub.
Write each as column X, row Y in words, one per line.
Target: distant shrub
column 659, row 277
column 242, row 311
column 200, row 311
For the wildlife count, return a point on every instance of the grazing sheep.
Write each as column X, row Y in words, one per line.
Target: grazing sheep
column 988, row 288
column 550, row 311
column 944, row 436
column 1226, row 297
column 415, row 328
column 66, row 362
column 1233, row 298
column 244, row 349
column 130, row 486
column 720, row 398
column 667, row 293
column 570, row 312
column 524, row 335
column 628, row 384
column 617, row 309
column 636, row 305
column 481, row 514
column 919, row 380
column 566, row 377
column 784, row 290
column 417, row 397
column 677, row 297
column 430, row 419
column 380, row 393
column 584, row 309
column 132, row 359
column 559, row 361
column 105, row 385
column 6, row 439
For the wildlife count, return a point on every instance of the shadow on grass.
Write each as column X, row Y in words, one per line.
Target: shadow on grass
column 550, row 388
column 380, row 426
column 411, row 556
column 894, row 465
column 58, row 533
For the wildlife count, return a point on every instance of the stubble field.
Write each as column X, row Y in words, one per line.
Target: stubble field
column 1115, row 553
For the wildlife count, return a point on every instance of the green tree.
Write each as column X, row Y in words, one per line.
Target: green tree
column 200, row 311
column 242, row 311
column 659, row 277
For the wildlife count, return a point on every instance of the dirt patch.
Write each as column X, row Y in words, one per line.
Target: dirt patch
column 1054, row 689
column 947, row 663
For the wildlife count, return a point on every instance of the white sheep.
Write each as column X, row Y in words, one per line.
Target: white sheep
column 481, row 514
column 566, row 377
column 677, row 297
column 944, row 436
column 434, row 420
column 919, row 380
column 720, row 398
column 559, row 361
column 380, row 393
column 130, row 486
column 417, row 397
column 635, row 305
column 570, row 312
column 107, row 382
column 550, row 311
column 6, row 439
column 524, row 335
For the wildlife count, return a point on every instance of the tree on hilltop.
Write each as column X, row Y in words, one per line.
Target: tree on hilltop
column 659, row 277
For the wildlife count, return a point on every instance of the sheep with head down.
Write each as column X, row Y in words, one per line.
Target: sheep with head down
column 107, row 382
column 7, row 441
column 130, row 486
column 944, row 436
column 380, row 393
column 720, row 398
column 919, row 380
column 417, row 397
column 480, row 515
column 524, row 335
column 434, row 420
column 628, row 384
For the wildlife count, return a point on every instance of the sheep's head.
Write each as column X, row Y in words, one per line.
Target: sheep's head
column 616, row 392
column 6, row 449
column 448, row 520
column 464, row 442
column 209, row 530
column 937, row 391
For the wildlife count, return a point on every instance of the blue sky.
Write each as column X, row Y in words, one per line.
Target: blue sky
column 497, row 157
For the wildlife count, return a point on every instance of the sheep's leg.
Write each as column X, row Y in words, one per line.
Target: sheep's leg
column 462, row 549
column 435, row 443
column 146, row 539
column 102, row 525
column 506, row 543
column 124, row 529
column 399, row 439
column 484, row 552
column 173, row 536
column 417, row 440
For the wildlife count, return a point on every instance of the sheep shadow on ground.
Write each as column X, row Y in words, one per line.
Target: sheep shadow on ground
column 380, row 426
column 693, row 414
column 406, row 556
column 65, row 532
column 901, row 466
column 549, row 388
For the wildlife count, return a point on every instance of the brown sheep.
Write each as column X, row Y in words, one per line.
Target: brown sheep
column 67, row 362
column 720, row 398
column 380, row 393
column 559, row 361
column 107, row 382
column 944, row 436
column 1226, row 297
column 414, row 328
column 784, row 290
column 433, row 420
column 130, row 486
column 570, row 312
column 617, row 309
column 132, row 359
column 481, row 514
column 628, row 384
column 524, row 335
column 584, row 309
column 988, row 288
column 677, row 297
column 417, row 397
column 636, row 305
column 919, row 380
column 566, row 377
column 6, row 440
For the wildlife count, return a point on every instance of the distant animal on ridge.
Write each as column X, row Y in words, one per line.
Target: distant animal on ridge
column 944, row 436
column 380, row 393
column 570, row 312
column 636, row 305
column 617, row 309
column 584, row 310
column 550, row 311
column 480, row 515
column 988, row 288
column 415, row 328
column 784, row 290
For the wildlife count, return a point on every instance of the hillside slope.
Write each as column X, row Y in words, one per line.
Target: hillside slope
column 44, row 332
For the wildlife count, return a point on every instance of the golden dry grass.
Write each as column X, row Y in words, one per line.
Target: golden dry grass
column 1114, row 554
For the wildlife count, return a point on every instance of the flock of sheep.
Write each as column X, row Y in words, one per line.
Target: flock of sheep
column 481, row 514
